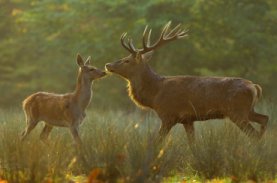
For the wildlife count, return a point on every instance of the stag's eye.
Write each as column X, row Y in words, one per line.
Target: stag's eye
column 91, row 69
column 126, row 61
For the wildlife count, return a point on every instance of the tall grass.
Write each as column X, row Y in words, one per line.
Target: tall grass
column 121, row 147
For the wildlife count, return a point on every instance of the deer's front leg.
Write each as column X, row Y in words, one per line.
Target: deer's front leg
column 75, row 134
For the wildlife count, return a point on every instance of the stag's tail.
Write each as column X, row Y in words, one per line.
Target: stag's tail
column 259, row 91
column 257, row 94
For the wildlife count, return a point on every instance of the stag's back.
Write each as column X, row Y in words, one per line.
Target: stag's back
column 191, row 95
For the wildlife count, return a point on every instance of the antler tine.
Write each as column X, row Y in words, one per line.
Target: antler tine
column 159, row 41
column 165, row 30
column 123, row 43
column 183, row 34
column 174, row 30
column 122, row 40
column 179, row 34
column 131, row 46
column 149, row 37
column 166, row 35
column 144, row 43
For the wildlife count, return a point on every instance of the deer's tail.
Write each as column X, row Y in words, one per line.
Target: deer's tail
column 27, row 108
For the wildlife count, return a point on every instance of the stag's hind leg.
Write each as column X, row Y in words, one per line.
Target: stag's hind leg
column 247, row 128
column 259, row 118
column 240, row 116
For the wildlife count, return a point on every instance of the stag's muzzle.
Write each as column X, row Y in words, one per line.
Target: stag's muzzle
column 109, row 67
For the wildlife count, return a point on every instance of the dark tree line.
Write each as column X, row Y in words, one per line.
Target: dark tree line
column 39, row 41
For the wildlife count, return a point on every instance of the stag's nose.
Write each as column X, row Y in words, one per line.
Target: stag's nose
column 108, row 67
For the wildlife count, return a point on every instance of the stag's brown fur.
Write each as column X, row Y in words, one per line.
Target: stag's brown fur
column 185, row 99
column 63, row 110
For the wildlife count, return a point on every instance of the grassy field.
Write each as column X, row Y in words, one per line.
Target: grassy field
column 120, row 147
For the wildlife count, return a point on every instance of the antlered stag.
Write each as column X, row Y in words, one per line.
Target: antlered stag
column 185, row 99
column 63, row 110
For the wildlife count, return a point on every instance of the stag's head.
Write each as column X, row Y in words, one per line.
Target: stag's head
column 87, row 71
column 138, row 58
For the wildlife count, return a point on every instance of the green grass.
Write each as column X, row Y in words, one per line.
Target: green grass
column 120, row 147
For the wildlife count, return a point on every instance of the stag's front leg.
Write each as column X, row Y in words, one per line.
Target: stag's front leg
column 164, row 129
column 190, row 132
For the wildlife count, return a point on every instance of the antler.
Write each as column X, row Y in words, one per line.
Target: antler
column 128, row 46
column 166, row 36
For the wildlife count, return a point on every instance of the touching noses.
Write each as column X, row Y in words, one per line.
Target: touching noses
column 103, row 73
column 108, row 67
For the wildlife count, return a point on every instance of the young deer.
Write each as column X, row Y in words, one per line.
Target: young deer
column 185, row 99
column 63, row 110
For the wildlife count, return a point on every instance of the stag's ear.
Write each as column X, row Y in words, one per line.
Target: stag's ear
column 80, row 61
column 147, row 56
column 88, row 60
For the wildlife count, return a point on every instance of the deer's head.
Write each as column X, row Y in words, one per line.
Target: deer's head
column 138, row 58
column 88, row 72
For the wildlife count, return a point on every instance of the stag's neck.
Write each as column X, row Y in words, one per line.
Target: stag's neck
column 144, row 87
column 83, row 93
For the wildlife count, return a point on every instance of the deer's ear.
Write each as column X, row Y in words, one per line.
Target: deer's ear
column 147, row 56
column 88, row 60
column 80, row 61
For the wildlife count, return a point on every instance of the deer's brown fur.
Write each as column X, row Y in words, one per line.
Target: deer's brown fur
column 185, row 99
column 63, row 110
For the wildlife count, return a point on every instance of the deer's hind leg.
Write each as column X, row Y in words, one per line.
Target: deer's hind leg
column 45, row 132
column 31, row 124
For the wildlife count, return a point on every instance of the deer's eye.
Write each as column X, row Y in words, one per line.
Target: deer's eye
column 91, row 69
column 126, row 61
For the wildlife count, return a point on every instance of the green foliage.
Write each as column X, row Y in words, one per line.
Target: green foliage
column 40, row 39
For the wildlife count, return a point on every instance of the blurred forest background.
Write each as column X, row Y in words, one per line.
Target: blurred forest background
column 39, row 40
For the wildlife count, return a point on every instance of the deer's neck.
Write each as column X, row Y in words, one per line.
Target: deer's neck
column 143, row 87
column 83, row 92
